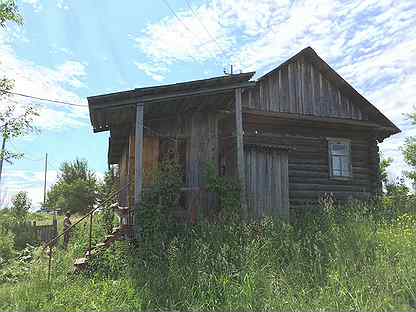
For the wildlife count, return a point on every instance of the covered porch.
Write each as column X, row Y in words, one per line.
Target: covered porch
column 196, row 122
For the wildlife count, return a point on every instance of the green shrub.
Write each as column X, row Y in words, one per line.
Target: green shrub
column 22, row 231
column 7, row 250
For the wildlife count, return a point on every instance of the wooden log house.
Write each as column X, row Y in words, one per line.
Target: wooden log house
column 289, row 137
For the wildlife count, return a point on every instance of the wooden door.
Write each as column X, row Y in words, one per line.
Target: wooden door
column 267, row 182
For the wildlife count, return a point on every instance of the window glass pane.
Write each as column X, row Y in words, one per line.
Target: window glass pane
column 340, row 159
column 337, row 173
column 336, row 166
column 338, row 149
column 345, row 164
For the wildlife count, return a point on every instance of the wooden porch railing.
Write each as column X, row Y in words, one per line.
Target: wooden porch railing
column 50, row 244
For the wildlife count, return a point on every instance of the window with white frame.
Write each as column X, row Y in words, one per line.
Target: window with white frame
column 339, row 158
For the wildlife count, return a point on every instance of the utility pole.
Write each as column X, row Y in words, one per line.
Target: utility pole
column 44, row 185
column 231, row 71
column 3, row 145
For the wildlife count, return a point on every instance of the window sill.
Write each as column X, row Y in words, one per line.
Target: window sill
column 345, row 178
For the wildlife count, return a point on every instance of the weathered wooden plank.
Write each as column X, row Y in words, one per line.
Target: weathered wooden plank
column 260, row 184
column 285, row 185
column 292, row 89
column 328, row 187
column 279, row 176
column 301, row 86
column 338, row 194
column 131, row 157
column 277, row 92
column 269, row 174
column 273, row 184
column 302, row 177
column 254, row 182
column 307, row 89
column 250, row 182
column 271, row 96
column 240, row 151
column 138, row 163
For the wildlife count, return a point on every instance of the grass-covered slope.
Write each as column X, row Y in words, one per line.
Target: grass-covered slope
column 337, row 260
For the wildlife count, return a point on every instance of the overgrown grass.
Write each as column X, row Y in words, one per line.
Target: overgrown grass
column 342, row 259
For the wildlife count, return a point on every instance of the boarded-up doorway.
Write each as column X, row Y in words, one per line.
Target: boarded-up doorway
column 267, row 181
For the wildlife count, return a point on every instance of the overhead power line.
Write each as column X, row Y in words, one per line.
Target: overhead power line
column 203, row 25
column 188, row 29
column 44, row 99
column 183, row 24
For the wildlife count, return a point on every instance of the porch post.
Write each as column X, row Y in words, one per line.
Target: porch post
column 240, row 152
column 138, row 167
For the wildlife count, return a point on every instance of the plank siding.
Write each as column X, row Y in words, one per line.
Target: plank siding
column 266, row 182
column 123, row 176
column 200, row 130
column 300, row 88
column 150, row 158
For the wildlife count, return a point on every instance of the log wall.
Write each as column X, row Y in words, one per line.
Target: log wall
column 308, row 162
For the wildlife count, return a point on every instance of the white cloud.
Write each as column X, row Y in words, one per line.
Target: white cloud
column 35, row 4
column 62, row 4
column 14, row 181
column 185, row 39
column 32, row 182
column 155, row 71
column 45, row 82
column 372, row 44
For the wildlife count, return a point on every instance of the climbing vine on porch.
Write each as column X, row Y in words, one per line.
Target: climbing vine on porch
column 227, row 190
column 155, row 217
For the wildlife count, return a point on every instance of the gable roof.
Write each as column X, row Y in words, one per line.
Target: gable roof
column 102, row 106
column 329, row 73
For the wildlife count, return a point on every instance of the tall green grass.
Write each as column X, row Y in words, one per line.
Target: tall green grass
column 339, row 258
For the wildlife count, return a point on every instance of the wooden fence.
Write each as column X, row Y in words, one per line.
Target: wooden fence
column 46, row 232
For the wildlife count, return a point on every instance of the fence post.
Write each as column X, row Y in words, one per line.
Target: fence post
column 89, row 243
column 55, row 226
column 49, row 264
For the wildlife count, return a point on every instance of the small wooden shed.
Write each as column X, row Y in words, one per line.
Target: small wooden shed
column 289, row 137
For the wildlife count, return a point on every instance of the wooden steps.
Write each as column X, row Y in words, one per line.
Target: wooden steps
column 80, row 264
column 119, row 233
column 121, row 211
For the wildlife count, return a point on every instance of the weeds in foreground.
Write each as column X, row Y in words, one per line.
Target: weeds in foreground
column 349, row 260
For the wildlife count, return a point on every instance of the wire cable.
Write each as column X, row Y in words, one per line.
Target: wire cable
column 44, row 99
column 203, row 25
column 189, row 30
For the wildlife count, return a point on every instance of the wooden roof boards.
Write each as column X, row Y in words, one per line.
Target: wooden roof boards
column 116, row 108
column 309, row 55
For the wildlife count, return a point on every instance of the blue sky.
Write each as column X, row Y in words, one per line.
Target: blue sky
column 69, row 50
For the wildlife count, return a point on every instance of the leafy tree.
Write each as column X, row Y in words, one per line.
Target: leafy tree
column 384, row 165
column 75, row 190
column 109, row 185
column 15, row 120
column 21, row 204
column 409, row 153
column 15, row 124
column 397, row 187
column 9, row 12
